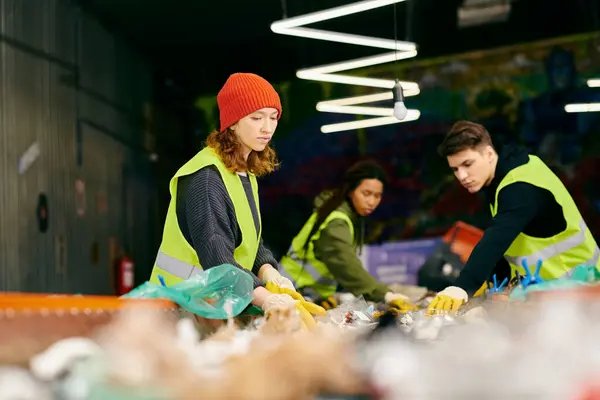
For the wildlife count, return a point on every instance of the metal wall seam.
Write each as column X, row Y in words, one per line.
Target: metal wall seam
column 44, row 49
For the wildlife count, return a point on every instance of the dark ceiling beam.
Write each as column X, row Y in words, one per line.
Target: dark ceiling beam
column 199, row 54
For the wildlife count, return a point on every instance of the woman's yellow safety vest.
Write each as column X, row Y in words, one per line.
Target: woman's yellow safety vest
column 177, row 260
column 562, row 252
column 302, row 267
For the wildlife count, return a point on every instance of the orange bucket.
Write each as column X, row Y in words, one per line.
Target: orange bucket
column 30, row 322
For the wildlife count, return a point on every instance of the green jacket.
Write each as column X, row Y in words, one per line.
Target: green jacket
column 336, row 249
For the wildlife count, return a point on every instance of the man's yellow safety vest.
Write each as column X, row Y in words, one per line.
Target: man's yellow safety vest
column 302, row 267
column 177, row 260
column 560, row 253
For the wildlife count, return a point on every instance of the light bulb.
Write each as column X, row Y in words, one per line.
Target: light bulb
column 400, row 110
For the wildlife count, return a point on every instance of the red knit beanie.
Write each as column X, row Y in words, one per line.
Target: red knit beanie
column 242, row 95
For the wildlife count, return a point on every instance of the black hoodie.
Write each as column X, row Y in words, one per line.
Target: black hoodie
column 522, row 207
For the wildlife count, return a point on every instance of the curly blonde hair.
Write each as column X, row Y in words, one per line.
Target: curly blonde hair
column 229, row 149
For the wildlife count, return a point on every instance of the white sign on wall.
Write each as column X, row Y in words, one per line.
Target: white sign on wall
column 28, row 158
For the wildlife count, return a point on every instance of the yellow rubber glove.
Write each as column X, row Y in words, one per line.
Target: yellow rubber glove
column 312, row 308
column 328, row 303
column 482, row 289
column 275, row 288
column 307, row 319
column 448, row 300
column 399, row 302
column 275, row 300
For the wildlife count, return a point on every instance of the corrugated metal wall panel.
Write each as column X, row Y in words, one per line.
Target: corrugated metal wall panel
column 142, row 217
column 44, row 25
column 102, row 172
column 43, row 44
column 97, row 58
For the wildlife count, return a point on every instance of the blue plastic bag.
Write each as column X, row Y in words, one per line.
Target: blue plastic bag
column 205, row 294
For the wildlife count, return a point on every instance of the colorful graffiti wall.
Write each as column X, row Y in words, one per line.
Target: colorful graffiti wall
column 519, row 93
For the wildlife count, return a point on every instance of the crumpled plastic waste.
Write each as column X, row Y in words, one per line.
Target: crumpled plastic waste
column 146, row 356
column 61, row 356
column 531, row 349
column 414, row 293
column 206, row 293
column 346, row 298
column 171, row 363
column 424, row 327
column 18, row 383
column 355, row 313
column 209, row 356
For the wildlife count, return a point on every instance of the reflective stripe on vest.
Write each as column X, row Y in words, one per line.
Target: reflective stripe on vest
column 300, row 264
column 175, row 267
column 592, row 261
column 554, row 249
column 310, row 269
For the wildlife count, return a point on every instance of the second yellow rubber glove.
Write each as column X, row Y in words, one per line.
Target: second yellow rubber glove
column 306, row 317
column 328, row 303
column 482, row 289
column 448, row 300
column 276, row 300
column 399, row 302
column 312, row 308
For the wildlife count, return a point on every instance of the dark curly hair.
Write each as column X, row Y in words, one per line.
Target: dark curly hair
column 360, row 171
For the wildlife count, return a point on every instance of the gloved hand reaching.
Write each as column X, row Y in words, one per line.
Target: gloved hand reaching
column 399, row 302
column 270, row 274
column 449, row 299
column 283, row 300
column 482, row 290
column 328, row 303
column 312, row 308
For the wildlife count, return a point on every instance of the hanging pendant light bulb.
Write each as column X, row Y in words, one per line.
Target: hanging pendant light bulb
column 334, row 73
column 400, row 110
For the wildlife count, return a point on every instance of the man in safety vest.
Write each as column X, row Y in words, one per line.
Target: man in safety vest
column 534, row 216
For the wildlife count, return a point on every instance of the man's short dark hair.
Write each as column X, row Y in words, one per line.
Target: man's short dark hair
column 464, row 135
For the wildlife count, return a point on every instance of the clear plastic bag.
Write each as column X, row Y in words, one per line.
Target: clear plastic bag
column 212, row 294
column 351, row 313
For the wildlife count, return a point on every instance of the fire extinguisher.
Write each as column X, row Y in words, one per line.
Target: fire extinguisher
column 125, row 275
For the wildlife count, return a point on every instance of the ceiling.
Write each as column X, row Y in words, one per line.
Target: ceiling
column 196, row 44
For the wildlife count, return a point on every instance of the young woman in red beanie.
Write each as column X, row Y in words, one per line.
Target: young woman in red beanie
column 214, row 215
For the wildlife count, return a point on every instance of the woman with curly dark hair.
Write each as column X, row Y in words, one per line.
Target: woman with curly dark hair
column 214, row 214
column 323, row 256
